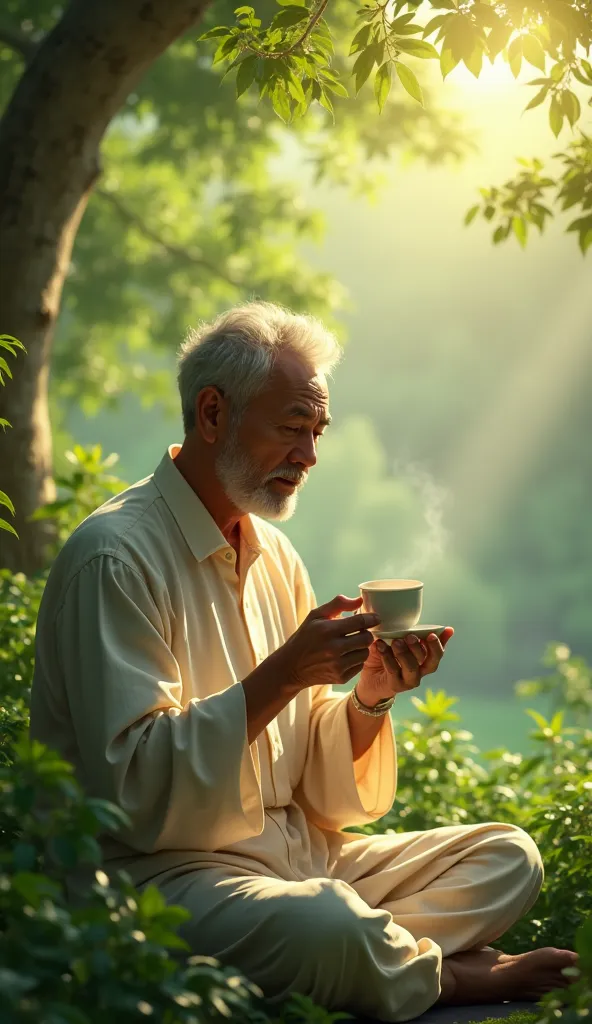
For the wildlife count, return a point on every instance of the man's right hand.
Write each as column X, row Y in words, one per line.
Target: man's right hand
column 326, row 649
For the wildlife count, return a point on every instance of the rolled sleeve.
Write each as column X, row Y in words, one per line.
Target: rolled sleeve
column 183, row 772
column 335, row 791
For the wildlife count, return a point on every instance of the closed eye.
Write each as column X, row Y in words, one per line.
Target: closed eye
column 296, row 430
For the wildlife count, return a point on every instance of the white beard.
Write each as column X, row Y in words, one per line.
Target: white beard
column 241, row 479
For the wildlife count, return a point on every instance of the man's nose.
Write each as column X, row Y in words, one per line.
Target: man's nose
column 305, row 453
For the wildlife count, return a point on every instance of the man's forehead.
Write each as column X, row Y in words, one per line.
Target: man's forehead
column 295, row 385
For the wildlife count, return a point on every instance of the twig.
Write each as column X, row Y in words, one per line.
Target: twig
column 172, row 248
column 286, row 53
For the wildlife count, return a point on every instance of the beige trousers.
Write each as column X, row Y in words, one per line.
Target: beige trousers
column 369, row 938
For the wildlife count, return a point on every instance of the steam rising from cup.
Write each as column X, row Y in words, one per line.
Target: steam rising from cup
column 429, row 545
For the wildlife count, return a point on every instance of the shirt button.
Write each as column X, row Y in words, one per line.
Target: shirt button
column 228, row 556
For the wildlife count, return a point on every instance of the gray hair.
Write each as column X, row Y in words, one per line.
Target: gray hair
column 236, row 353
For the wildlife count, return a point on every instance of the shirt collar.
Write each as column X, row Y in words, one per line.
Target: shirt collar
column 195, row 522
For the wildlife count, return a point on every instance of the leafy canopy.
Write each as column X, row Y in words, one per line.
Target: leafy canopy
column 290, row 60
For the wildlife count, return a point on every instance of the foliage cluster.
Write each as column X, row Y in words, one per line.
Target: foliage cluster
column 291, row 60
column 117, row 955
column 190, row 215
column 10, row 345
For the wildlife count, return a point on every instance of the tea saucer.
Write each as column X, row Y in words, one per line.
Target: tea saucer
column 396, row 634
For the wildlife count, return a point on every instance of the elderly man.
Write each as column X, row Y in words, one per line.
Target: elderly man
column 184, row 668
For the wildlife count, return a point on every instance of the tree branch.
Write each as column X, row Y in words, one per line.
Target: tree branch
column 301, row 39
column 179, row 251
column 18, row 41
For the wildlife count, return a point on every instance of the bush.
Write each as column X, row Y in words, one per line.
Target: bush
column 444, row 779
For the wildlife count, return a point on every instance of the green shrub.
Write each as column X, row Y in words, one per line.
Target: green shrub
column 444, row 779
column 574, row 1005
column 107, row 961
column 88, row 486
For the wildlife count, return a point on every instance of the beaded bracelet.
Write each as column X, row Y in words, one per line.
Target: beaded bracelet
column 379, row 709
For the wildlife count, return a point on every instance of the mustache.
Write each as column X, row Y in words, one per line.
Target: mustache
column 289, row 473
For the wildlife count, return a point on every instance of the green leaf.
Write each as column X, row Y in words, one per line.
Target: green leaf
column 486, row 15
column 418, row 48
column 5, row 367
column 333, row 85
column 33, row 887
column 325, row 102
column 555, row 116
column 363, row 66
column 407, row 30
column 291, row 14
column 475, row 61
column 538, row 99
column 295, row 88
column 435, row 23
column 498, row 39
column 583, row 225
column 570, row 106
column 4, row 423
column 360, row 39
column 245, row 75
column 576, row 72
column 471, row 214
column 401, row 22
column 382, row 84
column 540, row 720
column 9, row 343
column 583, row 944
column 447, row 62
column 520, row 229
column 280, row 102
column 6, row 526
column 409, row 81
column 5, row 500
column 461, row 37
column 533, row 52
column 151, row 901
column 515, row 55
column 212, row 33
column 225, row 48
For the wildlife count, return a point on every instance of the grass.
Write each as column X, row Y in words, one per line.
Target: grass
column 518, row 1017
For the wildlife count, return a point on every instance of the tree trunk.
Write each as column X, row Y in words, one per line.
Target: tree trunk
column 49, row 159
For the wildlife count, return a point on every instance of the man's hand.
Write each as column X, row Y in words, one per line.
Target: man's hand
column 391, row 670
column 325, row 648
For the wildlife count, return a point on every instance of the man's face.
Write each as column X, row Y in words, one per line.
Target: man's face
column 265, row 459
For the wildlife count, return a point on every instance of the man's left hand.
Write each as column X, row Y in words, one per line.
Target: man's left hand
column 391, row 670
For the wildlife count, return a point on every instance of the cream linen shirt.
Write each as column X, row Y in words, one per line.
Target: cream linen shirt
column 143, row 636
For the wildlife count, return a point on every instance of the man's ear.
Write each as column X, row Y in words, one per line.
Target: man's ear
column 210, row 413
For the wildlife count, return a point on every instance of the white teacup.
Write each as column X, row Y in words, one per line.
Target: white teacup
column 397, row 602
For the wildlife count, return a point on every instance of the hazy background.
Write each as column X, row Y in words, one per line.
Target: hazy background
column 460, row 449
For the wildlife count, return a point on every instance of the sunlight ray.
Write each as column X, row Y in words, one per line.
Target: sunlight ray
column 514, row 428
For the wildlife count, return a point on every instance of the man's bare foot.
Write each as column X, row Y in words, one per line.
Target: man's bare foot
column 490, row 976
